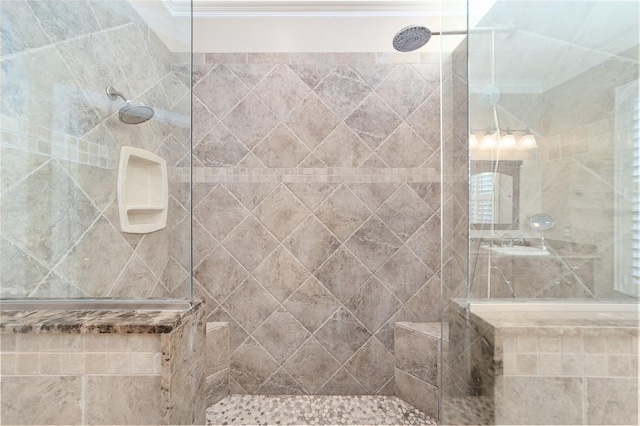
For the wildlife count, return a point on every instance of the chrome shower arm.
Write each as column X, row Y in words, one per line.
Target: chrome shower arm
column 114, row 94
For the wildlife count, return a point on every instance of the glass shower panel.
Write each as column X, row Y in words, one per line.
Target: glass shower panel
column 61, row 139
column 553, row 109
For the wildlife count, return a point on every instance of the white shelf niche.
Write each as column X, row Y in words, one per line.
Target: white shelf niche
column 143, row 191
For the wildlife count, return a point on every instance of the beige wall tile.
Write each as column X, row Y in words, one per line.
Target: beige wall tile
column 50, row 342
column 27, row 363
column 573, row 364
column 527, row 364
column 595, row 344
column 518, row 401
column 416, row 392
column 118, row 362
column 595, row 365
column 96, row 363
column 28, row 400
column 612, row 401
column 73, row 363
column 28, row 342
column 619, row 345
column 144, row 342
column 571, row 343
column 7, row 364
column 118, row 343
column 549, row 364
column 527, row 343
column 549, row 344
column 116, row 400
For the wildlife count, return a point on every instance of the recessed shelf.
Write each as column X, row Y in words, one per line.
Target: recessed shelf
column 143, row 191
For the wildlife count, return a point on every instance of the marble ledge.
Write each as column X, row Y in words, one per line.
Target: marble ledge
column 94, row 321
column 594, row 322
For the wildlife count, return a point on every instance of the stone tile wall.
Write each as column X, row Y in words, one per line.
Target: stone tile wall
column 217, row 362
column 108, row 378
column 60, row 142
column 418, row 366
column 316, row 213
column 585, row 377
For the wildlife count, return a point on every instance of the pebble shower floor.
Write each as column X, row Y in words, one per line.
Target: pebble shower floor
column 314, row 410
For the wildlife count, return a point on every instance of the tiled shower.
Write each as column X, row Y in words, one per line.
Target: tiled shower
column 319, row 253
column 319, row 225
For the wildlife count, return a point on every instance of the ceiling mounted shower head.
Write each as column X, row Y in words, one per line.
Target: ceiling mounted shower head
column 130, row 113
column 411, row 38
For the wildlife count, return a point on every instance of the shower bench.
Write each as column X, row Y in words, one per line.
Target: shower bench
column 107, row 366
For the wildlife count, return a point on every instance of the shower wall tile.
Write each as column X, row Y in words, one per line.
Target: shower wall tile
column 327, row 205
column 60, row 147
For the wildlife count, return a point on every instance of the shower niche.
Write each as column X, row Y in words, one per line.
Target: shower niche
column 143, row 191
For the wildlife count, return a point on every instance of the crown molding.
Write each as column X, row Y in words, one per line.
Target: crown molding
column 215, row 8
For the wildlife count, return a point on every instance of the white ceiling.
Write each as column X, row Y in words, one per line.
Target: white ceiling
column 303, row 25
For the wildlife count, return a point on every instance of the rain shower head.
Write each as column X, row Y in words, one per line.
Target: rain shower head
column 411, row 38
column 130, row 113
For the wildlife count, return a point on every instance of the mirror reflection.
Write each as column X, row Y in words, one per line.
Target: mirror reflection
column 494, row 194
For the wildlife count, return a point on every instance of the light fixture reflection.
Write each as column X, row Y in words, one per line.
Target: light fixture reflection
column 490, row 141
column 473, row 141
column 528, row 141
column 508, row 141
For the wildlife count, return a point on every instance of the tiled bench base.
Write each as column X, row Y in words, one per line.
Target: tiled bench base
column 217, row 364
column 417, row 351
column 101, row 367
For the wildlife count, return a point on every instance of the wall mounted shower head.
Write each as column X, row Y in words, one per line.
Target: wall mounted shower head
column 130, row 113
column 411, row 38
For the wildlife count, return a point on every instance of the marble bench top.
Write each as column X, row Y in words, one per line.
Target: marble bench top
column 93, row 321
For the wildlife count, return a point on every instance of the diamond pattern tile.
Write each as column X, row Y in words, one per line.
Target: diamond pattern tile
column 311, row 74
column 404, row 274
column 373, row 304
column 343, row 212
column 404, row 212
column 312, row 193
column 373, row 243
column 311, row 243
column 281, row 274
column 312, row 304
column 220, row 90
column 281, row 383
column 373, row 121
column 423, row 121
column 251, row 365
column 250, row 243
column 343, row 148
column 342, row 274
column 281, row 334
column 220, row 148
column 281, row 90
column 203, row 120
column 373, row 74
column 342, row 383
column 251, row 74
column 220, row 274
column 250, row 195
column 250, row 120
column 372, row 353
column 373, row 194
column 404, row 148
column 250, row 304
column 219, row 212
column 342, row 90
column 312, row 121
column 342, row 335
column 404, row 90
column 281, row 212
column 311, row 365
column 281, row 148
column 237, row 334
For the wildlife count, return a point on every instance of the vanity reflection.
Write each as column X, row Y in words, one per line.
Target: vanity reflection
column 494, row 197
